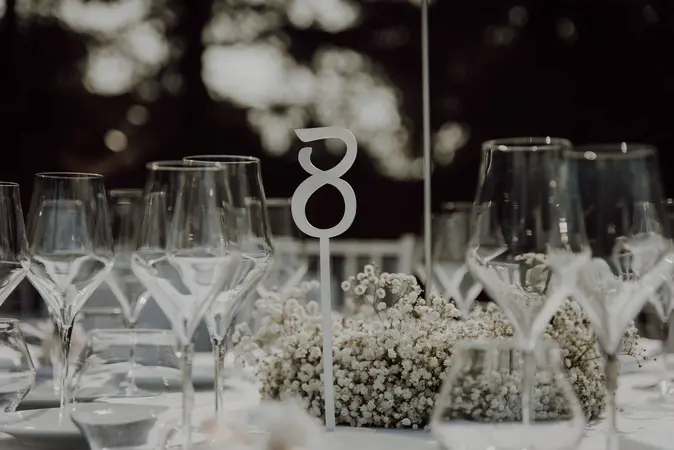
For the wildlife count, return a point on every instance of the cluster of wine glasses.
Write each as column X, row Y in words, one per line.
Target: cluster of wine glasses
column 196, row 239
column 553, row 221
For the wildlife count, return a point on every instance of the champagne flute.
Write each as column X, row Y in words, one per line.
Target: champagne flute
column 621, row 197
column 525, row 231
column 249, row 230
column 184, row 254
column 70, row 250
column 14, row 261
column 126, row 215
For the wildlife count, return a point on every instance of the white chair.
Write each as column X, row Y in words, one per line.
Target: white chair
column 348, row 257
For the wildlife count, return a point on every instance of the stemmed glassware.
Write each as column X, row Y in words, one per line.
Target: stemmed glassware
column 662, row 306
column 17, row 373
column 119, row 418
column 451, row 234
column 70, row 249
column 245, row 207
column 125, row 216
column 479, row 404
column 526, row 230
column 14, row 260
column 185, row 252
column 627, row 229
column 290, row 260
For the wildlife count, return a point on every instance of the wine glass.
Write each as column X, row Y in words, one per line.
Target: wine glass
column 185, row 253
column 17, row 373
column 628, row 231
column 479, row 406
column 246, row 206
column 451, row 234
column 126, row 215
column 526, row 230
column 14, row 259
column 70, row 249
column 290, row 260
column 659, row 315
column 119, row 417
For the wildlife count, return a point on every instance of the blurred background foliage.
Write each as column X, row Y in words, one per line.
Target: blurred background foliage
column 106, row 86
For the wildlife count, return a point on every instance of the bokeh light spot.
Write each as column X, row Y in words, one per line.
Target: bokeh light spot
column 115, row 140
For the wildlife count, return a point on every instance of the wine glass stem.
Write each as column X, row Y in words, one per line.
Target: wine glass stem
column 65, row 335
column 528, row 388
column 219, row 352
column 187, row 352
column 664, row 380
column 611, row 370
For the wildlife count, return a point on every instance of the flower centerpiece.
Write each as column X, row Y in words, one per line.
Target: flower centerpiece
column 392, row 349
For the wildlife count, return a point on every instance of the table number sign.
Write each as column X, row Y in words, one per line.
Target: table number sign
column 317, row 179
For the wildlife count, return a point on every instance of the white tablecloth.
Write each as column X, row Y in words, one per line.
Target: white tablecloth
column 640, row 431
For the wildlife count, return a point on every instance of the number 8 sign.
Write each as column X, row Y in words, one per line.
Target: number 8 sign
column 317, row 179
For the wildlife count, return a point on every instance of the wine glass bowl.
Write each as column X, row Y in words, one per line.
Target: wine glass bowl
column 70, row 248
column 480, row 404
column 14, row 259
column 291, row 262
column 451, row 232
column 628, row 232
column 525, row 230
column 126, row 215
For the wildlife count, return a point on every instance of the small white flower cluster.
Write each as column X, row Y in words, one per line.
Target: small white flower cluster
column 392, row 349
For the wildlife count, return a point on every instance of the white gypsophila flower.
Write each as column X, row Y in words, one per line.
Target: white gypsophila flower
column 391, row 353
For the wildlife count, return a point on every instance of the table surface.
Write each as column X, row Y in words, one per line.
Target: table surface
column 639, row 431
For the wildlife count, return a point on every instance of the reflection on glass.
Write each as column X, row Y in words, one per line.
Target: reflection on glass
column 17, row 374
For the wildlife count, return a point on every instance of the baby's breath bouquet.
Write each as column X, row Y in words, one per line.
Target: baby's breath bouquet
column 392, row 349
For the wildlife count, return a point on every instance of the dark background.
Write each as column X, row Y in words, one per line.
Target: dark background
column 595, row 70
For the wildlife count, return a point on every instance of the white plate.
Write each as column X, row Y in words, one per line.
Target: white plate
column 44, row 428
column 41, row 428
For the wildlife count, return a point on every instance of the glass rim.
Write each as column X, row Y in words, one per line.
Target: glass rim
column 69, row 176
column 452, row 206
column 183, row 165
column 8, row 184
column 125, row 191
column 527, row 144
column 11, row 320
column 611, row 150
column 223, row 159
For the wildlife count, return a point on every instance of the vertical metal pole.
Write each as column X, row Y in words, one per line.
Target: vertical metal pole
column 426, row 96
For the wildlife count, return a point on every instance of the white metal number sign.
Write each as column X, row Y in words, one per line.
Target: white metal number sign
column 317, row 179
